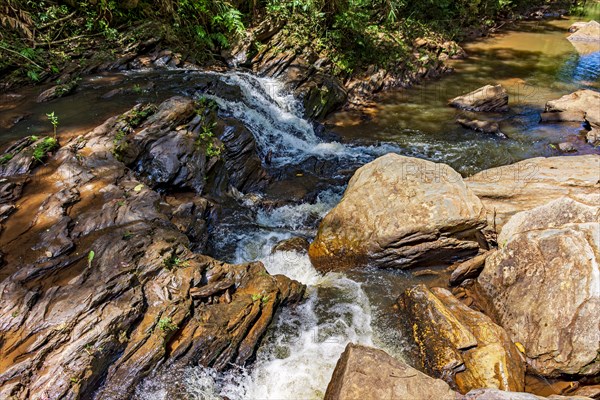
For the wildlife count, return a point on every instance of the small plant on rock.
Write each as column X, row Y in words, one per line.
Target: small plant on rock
column 173, row 261
column 53, row 120
column 41, row 150
column 167, row 325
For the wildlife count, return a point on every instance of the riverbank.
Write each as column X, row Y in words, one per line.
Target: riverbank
column 156, row 229
column 276, row 41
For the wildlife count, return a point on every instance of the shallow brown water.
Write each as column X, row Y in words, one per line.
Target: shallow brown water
column 535, row 63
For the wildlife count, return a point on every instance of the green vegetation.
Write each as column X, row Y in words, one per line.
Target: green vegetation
column 90, row 258
column 206, row 109
column 167, row 325
column 53, row 120
column 120, row 144
column 173, row 261
column 6, row 158
column 257, row 297
column 41, row 150
column 39, row 38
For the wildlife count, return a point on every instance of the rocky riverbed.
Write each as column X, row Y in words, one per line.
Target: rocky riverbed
column 217, row 234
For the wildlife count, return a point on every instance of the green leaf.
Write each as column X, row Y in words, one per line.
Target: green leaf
column 138, row 188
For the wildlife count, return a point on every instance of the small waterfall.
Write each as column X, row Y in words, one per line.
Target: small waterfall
column 299, row 354
column 275, row 118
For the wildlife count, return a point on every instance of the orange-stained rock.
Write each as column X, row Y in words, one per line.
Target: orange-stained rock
column 458, row 344
column 399, row 212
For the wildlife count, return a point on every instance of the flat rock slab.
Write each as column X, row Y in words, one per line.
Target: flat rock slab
column 510, row 189
column 582, row 101
column 589, row 32
column 487, row 98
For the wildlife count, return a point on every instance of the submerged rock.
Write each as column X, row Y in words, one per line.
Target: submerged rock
column 399, row 212
column 487, row 99
column 297, row 244
column 490, row 127
column 460, row 345
column 543, row 286
column 365, row 373
column 510, row 189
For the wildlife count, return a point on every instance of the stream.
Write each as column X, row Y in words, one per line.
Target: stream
column 534, row 62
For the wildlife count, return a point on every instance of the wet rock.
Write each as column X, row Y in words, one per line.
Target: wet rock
column 567, row 147
column 390, row 217
column 509, row 189
column 543, row 286
column 582, row 101
column 365, row 373
column 487, row 99
column 100, row 287
column 490, row 127
column 297, row 244
column 458, row 344
column 57, row 91
column 191, row 218
column 244, row 166
column 593, row 136
column 323, row 95
column 585, row 32
column 563, row 116
column 469, row 269
column 165, row 145
column 20, row 158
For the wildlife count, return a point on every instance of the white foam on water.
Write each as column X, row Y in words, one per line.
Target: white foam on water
column 296, row 216
column 275, row 118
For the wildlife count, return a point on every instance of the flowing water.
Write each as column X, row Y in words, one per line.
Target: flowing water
column 535, row 62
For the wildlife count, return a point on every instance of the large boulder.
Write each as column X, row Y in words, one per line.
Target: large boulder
column 544, row 288
column 399, row 212
column 527, row 184
column 582, row 101
column 585, row 32
column 487, row 98
column 365, row 373
column 458, row 344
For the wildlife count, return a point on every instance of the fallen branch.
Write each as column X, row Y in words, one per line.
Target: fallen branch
column 56, row 21
column 21, row 55
column 68, row 39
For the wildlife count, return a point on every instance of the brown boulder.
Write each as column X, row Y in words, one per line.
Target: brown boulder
column 585, row 32
column 582, row 101
column 391, row 215
column 458, row 344
column 543, row 286
column 365, row 373
column 510, row 189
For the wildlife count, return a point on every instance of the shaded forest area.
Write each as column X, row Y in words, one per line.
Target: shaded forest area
column 40, row 39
